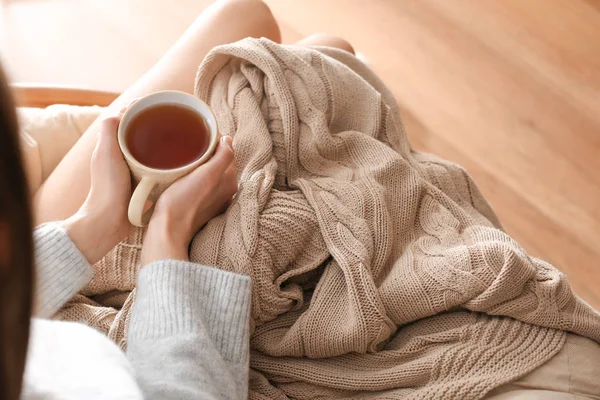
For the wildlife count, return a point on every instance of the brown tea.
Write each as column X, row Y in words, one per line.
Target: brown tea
column 167, row 136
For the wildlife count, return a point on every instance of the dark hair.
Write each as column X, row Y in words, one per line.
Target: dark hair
column 16, row 252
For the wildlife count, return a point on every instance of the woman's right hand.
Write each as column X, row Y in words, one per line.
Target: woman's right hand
column 189, row 204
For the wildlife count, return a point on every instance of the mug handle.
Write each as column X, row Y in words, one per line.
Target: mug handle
column 138, row 201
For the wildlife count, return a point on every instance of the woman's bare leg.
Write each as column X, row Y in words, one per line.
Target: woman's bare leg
column 324, row 39
column 225, row 21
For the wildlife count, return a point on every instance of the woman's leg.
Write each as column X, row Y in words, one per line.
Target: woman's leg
column 324, row 39
column 225, row 21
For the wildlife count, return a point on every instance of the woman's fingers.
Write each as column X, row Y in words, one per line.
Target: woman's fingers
column 123, row 109
column 229, row 183
column 107, row 146
column 205, row 183
column 110, row 127
column 224, row 155
column 210, row 174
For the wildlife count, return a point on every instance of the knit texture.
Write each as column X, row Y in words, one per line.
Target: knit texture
column 61, row 269
column 201, row 294
column 195, row 318
column 377, row 271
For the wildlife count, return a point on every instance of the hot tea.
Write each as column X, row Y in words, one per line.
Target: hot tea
column 167, row 136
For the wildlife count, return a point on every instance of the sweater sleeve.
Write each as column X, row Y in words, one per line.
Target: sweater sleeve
column 61, row 269
column 189, row 336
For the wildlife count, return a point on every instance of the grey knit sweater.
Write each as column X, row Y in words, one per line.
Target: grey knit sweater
column 188, row 335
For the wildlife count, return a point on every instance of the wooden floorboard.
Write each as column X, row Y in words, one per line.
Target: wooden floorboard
column 510, row 89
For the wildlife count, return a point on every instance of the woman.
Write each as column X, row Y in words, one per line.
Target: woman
column 171, row 351
column 188, row 336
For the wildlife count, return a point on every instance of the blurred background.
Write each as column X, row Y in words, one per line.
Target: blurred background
column 510, row 89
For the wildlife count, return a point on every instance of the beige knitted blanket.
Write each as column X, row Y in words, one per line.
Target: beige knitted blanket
column 378, row 272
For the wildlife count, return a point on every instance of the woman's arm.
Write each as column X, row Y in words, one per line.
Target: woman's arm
column 61, row 269
column 188, row 336
column 66, row 250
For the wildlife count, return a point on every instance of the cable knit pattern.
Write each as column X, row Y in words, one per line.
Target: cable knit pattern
column 377, row 271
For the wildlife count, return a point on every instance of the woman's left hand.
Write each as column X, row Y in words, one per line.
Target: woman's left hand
column 101, row 222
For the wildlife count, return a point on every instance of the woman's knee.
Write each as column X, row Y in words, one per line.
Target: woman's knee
column 255, row 13
column 325, row 39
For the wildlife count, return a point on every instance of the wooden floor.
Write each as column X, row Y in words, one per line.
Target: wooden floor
column 510, row 89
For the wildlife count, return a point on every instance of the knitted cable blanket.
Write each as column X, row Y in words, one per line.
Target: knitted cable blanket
column 378, row 271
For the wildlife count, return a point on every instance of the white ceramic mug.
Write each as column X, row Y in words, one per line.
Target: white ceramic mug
column 151, row 183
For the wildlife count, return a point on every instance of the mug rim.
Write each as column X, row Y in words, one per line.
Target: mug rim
column 171, row 97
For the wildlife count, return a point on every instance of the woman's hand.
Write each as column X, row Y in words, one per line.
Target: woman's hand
column 101, row 222
column 190, row 203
